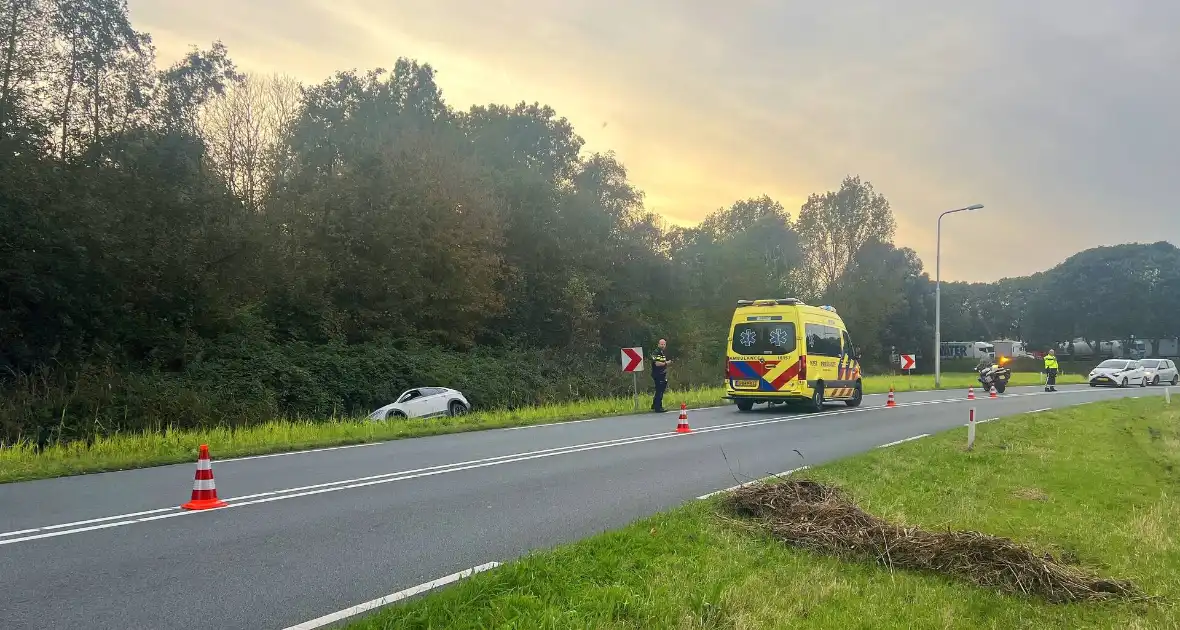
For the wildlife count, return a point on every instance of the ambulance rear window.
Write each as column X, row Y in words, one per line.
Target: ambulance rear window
column 773, row 338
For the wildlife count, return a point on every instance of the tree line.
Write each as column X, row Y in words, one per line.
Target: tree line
column 197, row 245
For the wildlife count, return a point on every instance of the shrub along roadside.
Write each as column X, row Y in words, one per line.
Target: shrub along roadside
column 1091, row 484
column 244, row 381
column 121, row 451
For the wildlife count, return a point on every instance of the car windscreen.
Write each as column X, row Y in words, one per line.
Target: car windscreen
column 773, row 338
column 1151, row 365
column 1113, row 365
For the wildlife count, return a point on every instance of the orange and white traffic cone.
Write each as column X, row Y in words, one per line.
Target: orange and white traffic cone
column 890, row 402
column 682, row 424
column 993, row 393
column 970, row 393
column 204, row 488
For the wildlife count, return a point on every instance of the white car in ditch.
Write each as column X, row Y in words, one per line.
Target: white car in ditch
column 424, row 402
column 1118, row 373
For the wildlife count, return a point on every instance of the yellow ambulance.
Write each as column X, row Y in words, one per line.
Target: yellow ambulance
column 784, row 351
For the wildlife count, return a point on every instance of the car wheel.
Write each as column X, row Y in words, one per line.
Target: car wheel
column 1124, row 383
column 857, row 397
column 1176, row 380
column 456, row 408
column 817, row 398
column 745, row 405
column 395, row 415
column 1143, row 382
column 1155, row 381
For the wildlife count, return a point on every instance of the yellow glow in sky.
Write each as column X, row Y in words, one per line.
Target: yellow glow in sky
column 707, row 103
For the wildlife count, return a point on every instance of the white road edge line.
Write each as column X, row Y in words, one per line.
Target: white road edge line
column 51, row 531
column 622, row 415
column 372, row 480
column 391, row 598
column 750, row 483
column 87, row 522
column 1040, row 410
column 413, row 473
column 301, row 489
column 902, row 441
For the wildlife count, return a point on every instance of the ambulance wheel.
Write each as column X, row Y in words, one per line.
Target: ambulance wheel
column 857, row 397
column 745, row 405
column 817, row 398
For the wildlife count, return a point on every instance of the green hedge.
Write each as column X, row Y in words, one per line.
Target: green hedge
column 240, row 382
column 243, row 380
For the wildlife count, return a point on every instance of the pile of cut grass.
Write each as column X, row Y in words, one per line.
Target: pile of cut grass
column 818, row 517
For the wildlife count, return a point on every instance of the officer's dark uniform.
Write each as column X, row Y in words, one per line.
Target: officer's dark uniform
column 659, row 374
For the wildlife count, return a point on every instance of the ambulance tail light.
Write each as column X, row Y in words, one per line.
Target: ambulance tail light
column 803, row 367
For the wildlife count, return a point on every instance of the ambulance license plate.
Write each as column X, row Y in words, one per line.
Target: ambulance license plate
column 746, row 384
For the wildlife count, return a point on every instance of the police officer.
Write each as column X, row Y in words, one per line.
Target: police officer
column 1051, row 368
column 659, row 374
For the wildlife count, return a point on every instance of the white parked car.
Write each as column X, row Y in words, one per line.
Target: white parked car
column 1118, row 372
column 425, row 402
column 1160, row 371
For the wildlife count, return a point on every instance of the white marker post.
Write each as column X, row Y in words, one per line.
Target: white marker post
column 971, row 429
column 1167, row 395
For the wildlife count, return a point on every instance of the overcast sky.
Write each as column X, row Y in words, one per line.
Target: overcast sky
column 1063, row 118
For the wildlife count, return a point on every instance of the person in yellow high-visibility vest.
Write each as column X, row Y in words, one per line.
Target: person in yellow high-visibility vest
column 1051, row 368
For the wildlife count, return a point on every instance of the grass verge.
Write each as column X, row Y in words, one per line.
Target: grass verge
column 22, row 462
column 1095, row 484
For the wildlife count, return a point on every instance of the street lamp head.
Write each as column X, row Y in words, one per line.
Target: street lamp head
column 938, row 294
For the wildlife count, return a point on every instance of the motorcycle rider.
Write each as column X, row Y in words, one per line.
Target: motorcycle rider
column 984, row 368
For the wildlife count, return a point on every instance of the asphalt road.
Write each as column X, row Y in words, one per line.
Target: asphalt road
column 311, row 533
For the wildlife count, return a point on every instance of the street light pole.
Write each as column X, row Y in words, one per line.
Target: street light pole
column 938, row 294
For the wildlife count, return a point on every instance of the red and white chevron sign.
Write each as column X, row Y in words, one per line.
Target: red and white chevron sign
column 907, row 362
column 632, row 359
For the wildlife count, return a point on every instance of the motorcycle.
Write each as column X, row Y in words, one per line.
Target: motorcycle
column 995, row 375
